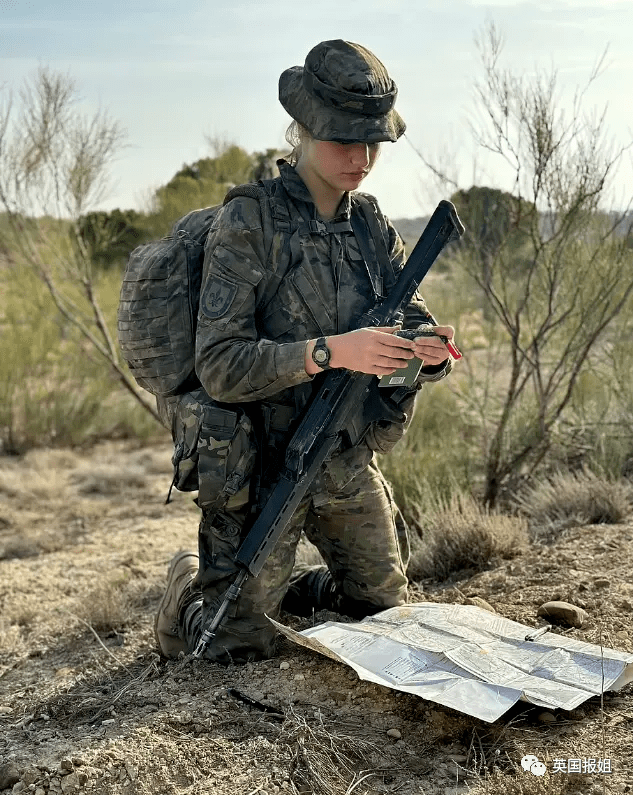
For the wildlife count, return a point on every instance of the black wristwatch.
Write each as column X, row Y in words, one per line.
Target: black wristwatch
column 321, row 354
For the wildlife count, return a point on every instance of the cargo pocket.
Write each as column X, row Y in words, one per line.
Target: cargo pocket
column 214, row 450
column 226, row 456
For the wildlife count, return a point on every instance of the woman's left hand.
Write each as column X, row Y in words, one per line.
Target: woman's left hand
column 431, row 349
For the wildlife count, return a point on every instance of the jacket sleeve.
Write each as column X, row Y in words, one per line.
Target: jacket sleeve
column 232, row 362
column 416, row 312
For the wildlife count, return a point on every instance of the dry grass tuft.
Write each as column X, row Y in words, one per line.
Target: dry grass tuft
column 569, row 499
column 465, row 536
column 109, row 479
column 324, row 761
column 28, row 546
column 106, row 608
column 31, row 479
column 524, row 783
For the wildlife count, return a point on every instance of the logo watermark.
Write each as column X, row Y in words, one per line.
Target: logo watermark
column 533, row 764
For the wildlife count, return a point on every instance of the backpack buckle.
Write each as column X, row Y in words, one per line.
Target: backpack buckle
column 318, row 227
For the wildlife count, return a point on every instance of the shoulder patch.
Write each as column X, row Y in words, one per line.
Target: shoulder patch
column 216, row 300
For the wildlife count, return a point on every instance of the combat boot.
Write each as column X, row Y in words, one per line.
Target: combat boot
column 310, row 588
column 182, row 569
column 313, row 588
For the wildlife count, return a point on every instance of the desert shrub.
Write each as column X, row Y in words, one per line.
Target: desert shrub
column 464, row 536
column 567, row 499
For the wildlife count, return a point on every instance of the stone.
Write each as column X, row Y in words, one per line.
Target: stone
column 31, row 776
column 546, row 717
column 19, row 787
column 9, row 775
column 601, row 582
column 563, row 613
column 395, row 733
column 70, row 783
column 66, row 764
column 284, row 666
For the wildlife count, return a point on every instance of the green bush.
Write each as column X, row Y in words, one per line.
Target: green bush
column 54, row 389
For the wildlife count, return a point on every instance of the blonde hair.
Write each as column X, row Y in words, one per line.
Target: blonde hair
column 296, row 134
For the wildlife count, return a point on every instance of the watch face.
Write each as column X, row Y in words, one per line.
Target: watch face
column 320, row 355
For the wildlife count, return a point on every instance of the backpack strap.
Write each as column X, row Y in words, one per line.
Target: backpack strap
column 273, row 202
column 371, row 225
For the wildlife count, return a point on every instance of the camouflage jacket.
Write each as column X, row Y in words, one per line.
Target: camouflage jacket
column 248, row 353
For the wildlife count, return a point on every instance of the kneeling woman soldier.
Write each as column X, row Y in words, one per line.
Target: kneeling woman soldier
column 342, row 103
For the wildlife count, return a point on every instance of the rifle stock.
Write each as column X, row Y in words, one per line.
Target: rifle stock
column 327, row 414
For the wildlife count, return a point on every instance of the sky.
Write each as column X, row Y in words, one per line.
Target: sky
column 175, row 73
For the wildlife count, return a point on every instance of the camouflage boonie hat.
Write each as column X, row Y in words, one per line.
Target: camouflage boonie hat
column 343, row 93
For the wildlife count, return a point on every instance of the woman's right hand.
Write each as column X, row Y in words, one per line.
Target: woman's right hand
column 374, row 351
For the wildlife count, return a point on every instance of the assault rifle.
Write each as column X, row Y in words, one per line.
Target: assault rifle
column 329, row 414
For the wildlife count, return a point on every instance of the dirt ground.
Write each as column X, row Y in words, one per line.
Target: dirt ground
column 87, row 704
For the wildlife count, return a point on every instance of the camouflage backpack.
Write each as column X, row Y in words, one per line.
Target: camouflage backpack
column 214, row 447
column 158, row 307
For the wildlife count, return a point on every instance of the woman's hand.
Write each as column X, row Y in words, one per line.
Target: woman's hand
column 431, row 349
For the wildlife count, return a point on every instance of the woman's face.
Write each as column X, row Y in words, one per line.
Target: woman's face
column 340, row 166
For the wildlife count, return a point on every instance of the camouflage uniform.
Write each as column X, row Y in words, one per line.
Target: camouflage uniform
column 244, row 355
column 258, row 308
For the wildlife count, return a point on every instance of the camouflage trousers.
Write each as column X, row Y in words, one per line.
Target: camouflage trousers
column 357, row 529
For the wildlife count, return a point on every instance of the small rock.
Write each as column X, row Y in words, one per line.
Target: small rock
column 546, row 717
column 132, row 771
column 67, row 764
column 9, row 775
column 563, row 613
column 39, row 791
column 19, row 787
column 70, row 783
column 284, row 666
column 5, row 710
column 602, row 582
column 459, row 758
column 479, row 602
column 299, row 677
column 395, row 733
column 31, row 775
